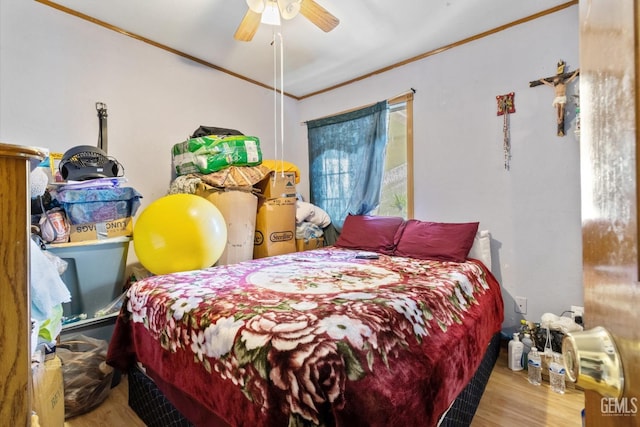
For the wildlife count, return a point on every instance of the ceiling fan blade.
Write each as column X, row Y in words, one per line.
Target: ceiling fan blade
column 248, row 26
column 318, row 15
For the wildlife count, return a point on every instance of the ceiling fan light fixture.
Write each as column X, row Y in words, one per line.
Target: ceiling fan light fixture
column 256, row 6
column 271, row 14
column 289, row 9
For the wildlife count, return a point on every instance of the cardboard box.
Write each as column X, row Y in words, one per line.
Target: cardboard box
column 48, row 392
column 278, row 185
column 308, row 244
column 101, row 230
column 275, row 227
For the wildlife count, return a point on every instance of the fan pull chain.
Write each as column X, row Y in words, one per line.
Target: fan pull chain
column 278, row 37
column 275, row 97
column 281, row 104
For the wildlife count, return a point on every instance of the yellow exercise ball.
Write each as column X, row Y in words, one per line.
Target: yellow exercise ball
column 179, row 232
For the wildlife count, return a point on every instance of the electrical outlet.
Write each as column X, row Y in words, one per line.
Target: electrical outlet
column 577, row 311
column 521, row 305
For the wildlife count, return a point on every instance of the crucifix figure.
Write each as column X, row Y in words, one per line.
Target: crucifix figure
column 559, row 84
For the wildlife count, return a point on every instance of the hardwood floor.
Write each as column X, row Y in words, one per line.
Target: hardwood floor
column 114, row 411
column 508, row 400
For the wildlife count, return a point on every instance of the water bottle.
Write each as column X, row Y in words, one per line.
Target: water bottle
column 556, row 375
column 535, row 367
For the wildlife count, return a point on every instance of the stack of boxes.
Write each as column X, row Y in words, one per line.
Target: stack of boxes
column 259, row 226
column 269, row 231
column 99, row 214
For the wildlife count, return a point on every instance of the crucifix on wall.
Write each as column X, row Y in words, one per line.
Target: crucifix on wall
column 559, row 84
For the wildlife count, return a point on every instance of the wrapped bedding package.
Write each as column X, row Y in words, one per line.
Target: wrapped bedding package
column 212, row 153
column 95, row 205
column 99, row 213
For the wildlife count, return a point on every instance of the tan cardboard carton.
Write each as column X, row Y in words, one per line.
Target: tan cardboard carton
column 48, row 392
column 101, row 230
column 275, row 227
column 278, row 185
column 313, row 243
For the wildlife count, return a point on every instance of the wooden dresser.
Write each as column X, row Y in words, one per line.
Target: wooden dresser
column 16, row 163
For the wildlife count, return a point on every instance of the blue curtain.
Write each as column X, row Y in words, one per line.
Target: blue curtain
column 346, row 161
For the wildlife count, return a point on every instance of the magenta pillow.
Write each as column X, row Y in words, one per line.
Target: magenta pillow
column 436, row 240
column 370, row 233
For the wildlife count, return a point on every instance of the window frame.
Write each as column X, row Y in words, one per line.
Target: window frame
column 407, row 98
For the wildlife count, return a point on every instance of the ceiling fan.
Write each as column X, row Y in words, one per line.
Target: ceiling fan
column 270, row 11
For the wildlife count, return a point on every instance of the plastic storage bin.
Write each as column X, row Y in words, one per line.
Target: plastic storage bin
column 95, row 276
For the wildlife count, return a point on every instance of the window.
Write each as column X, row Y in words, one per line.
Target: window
column 361, row 161
column 346, row 161
column 396, row 194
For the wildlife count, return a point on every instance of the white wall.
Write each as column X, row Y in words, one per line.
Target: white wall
column 54, row 67
column 532, row 210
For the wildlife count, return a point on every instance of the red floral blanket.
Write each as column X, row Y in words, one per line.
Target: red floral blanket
column 313, row 338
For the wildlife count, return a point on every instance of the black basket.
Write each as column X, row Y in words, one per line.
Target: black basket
column 540, row 338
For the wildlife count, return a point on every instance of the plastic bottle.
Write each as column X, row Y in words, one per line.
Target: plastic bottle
column 527, row 344
column 556, row 375
column 535, row 367
column 515, row 349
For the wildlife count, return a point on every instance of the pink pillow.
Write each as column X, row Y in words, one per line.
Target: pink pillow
column 370, row 233
column 436, row 240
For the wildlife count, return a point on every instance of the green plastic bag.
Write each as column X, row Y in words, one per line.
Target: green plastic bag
column 212, row 153
column 51, row 327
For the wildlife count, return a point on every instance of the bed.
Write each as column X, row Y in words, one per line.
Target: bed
column 389, row 327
